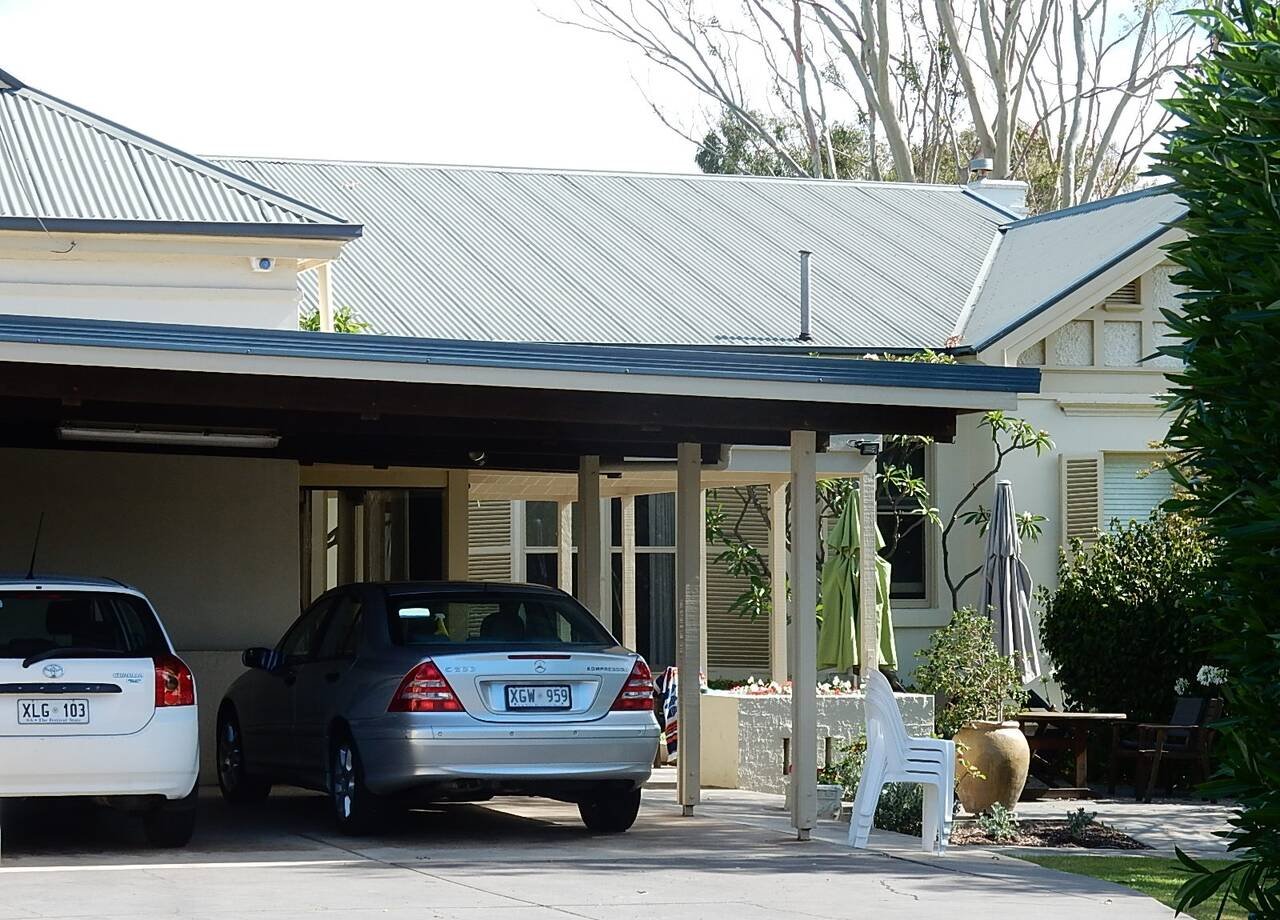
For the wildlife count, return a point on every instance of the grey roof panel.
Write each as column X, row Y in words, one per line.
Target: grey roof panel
column 532, row 255
column 1031, row 271
column 62, row 167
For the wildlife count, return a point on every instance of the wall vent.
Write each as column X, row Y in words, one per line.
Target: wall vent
column 1127, row 295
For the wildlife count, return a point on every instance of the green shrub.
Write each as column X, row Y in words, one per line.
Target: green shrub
column 1223, row 155
column 999, row 824
column 1122, row 627
column 1079, row 821
column 965, row 670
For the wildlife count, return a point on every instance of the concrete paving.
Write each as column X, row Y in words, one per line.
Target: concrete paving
column 519, row 858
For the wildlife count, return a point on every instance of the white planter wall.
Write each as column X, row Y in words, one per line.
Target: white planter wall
column 742, row 735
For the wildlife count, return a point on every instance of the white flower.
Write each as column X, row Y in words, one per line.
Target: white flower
column 1181, row 686
column 1210, row 676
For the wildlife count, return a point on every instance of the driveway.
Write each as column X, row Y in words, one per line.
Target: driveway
column 522, row 859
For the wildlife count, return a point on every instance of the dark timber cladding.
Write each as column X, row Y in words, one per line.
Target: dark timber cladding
column 363, row 418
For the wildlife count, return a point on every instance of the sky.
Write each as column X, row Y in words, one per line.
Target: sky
column 489, row 82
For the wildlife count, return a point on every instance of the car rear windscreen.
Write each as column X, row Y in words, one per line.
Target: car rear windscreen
column 448, row 619
column 34, row 622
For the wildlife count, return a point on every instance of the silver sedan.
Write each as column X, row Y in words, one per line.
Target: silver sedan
column 386, row 694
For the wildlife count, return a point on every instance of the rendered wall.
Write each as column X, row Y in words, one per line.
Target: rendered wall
column 213, row 542
column 742, row 735
column 150, row 280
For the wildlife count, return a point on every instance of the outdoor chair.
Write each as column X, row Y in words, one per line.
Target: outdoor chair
column 1185, row 737
column 895, row 757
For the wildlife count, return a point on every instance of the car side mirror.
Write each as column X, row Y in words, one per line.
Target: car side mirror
column 266, row 659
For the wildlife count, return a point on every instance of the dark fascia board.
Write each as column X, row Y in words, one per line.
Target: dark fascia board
column 340, row 232
column 1067, row 291
column 998, row 208
column 712, row 363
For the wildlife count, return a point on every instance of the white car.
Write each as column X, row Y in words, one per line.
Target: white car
column 94, row 703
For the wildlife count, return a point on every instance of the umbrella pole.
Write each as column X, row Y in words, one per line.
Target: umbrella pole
column 868, row 610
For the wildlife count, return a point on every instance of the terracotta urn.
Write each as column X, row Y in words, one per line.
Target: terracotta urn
column 1000, row 753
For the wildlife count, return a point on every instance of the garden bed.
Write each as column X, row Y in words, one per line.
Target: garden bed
column 1047, row 833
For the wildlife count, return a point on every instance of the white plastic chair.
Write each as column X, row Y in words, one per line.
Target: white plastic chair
column 895, row 757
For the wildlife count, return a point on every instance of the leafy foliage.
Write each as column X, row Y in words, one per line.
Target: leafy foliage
column 901, row 804
column 1225, row 157
column 1079, row 821
column 344, row 320
column 1132, row 597
column 964, row 668
column 999, row 823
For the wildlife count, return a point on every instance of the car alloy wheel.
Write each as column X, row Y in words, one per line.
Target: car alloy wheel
column 238, row 785
column 230, row 755
column 344, row 781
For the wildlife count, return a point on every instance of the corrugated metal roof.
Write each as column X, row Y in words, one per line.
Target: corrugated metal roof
column 1042, row 259
column 63, row 168
column 491, row 254
column 626, row 361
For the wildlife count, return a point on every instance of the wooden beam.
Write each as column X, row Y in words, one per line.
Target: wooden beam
column 804, row 634
column 590, row 563
column 628, row 571
column 690, row 536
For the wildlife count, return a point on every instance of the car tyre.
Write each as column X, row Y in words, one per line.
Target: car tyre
column 610, row 814
column 171, row 823
column 238, row 785
column 355, row 808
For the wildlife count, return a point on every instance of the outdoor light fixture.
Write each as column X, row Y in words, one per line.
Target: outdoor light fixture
column 179, row 437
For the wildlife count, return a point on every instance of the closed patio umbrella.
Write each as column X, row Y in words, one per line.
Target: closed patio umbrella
column 1006, row 586
column 837, row 637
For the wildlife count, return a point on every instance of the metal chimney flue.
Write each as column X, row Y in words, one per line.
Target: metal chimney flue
column 805, row 335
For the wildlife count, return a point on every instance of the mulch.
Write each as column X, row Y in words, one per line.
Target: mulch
column 1038, row 833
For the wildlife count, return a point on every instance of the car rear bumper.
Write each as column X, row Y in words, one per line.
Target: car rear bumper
column 163, row 758
column 398, row 757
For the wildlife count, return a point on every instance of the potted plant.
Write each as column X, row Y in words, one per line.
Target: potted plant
column 975, row 688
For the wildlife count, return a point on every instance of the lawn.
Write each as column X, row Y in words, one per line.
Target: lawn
column 1158, row 877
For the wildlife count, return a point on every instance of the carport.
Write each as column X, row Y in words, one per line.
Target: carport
column 109, row 392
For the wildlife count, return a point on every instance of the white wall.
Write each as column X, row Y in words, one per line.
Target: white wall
column 152, row 279
column 212, row 541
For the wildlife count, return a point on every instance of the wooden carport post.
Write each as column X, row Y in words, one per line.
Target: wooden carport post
column 868, row 612
column 590, row 561
column 804, row 633
column 690, row 541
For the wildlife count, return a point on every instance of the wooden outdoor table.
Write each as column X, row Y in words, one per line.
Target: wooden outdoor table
column 1076, row 727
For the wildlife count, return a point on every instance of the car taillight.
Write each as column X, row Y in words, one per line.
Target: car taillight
column 424, row 689
column 175, row 685
column 637, row 692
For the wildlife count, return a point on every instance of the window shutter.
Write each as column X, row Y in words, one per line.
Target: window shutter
column 1081, row 491
column 1128, row 294
column 489, row 541
column 736, row 643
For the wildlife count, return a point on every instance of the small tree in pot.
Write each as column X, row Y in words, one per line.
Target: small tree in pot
column 976, row 687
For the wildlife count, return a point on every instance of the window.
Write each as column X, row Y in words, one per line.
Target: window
column 1131, row 488
column 299, row 643
column 541, row 544
column 490, row 617
column 342, row 634
column 905, row 532
column 1101, row 490
column 32, row 622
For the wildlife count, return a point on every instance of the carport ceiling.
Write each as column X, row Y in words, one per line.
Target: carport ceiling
column 384, row 402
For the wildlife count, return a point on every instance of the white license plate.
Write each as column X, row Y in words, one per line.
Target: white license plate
column 538, row 696
column 53, row 712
